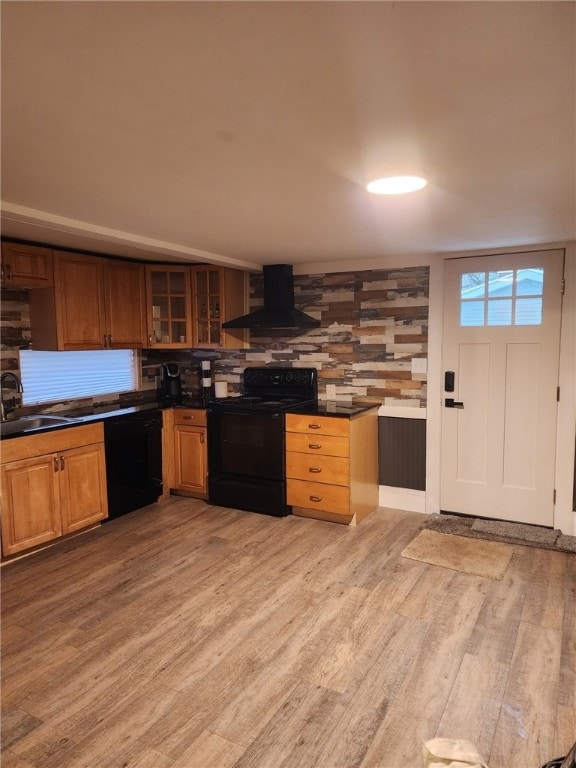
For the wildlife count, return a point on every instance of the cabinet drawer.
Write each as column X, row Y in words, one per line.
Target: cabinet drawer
column 322, row 425
column 328, row 498
column 324, row 469
column 193, row 417
column 325, row 445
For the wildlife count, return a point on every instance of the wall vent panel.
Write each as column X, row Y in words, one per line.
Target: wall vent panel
column 402, row 452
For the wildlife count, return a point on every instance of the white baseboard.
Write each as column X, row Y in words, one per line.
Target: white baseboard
column 402, row 498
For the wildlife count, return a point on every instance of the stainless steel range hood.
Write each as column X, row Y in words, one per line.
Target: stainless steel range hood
column 278, row 310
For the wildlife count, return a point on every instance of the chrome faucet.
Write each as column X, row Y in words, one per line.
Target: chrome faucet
column 6, row 408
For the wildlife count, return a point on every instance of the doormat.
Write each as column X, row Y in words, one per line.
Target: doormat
column 480, row 558
column 498, row 530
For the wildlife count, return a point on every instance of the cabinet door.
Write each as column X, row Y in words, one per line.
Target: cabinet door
column 218, row 294
column 191, row 459
column 29, row 266
column 83, row 494
column 207, row 303
column 30, row 503
column 168, row 303
column 79, row 302
column 124, row 302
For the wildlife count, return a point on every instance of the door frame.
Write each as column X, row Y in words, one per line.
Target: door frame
column 564, row 517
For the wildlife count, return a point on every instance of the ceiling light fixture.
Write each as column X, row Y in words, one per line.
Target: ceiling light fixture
column 396, row 185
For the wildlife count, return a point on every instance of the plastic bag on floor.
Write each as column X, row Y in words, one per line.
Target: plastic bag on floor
column 455, row 753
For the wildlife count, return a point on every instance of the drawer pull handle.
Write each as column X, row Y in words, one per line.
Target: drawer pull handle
column 313, row 426
column 315, row 498
column 314, row 445
column 191, row 418
column 314, row 469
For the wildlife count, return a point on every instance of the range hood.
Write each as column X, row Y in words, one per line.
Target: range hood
column 278, row 310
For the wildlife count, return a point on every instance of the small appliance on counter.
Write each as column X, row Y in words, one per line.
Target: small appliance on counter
column 170, row 385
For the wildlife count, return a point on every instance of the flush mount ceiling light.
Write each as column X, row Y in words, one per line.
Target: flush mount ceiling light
column 396, row 185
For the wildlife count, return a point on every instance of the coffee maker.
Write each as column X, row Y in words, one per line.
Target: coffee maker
column 170, row 385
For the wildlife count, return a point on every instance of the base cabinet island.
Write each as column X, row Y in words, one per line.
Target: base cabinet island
column 332, row 464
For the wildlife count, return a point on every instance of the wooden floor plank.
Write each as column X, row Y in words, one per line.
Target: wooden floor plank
column 475, row 702
column 192, row 636
column 210, row 751
column 525, row 732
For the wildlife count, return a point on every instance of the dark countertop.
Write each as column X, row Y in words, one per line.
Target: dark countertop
column 346, row 409
column 343, row 409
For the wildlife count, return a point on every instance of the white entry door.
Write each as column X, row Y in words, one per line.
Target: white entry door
column 501, row 343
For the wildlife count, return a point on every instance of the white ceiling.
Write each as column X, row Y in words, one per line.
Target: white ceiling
column 244, row 132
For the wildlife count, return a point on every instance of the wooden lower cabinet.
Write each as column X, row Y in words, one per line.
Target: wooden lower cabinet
column 191, row 452
column 52, row 484
column 332, row 466
column 30, row 503
column 83, row 487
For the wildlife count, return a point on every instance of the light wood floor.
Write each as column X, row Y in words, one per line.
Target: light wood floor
column 190, row 636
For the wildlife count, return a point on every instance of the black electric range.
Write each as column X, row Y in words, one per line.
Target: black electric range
column 246, row 439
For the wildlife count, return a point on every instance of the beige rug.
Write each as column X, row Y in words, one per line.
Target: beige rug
column 481, row 558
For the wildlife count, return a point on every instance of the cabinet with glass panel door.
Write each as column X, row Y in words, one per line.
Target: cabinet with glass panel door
column 169, row 306
column 218, row 294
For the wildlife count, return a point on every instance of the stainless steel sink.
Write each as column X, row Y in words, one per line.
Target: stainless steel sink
column 30, row 423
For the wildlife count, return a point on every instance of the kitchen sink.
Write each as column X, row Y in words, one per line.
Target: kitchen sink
column 30, row 423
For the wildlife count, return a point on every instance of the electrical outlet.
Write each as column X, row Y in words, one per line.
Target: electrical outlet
column 419, row 364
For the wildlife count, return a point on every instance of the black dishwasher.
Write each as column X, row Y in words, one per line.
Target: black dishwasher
column 133, row 443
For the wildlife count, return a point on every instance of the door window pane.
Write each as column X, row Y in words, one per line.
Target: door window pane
column 528, row 311
column 473, row 285
column 500, row 283
column 530, row 282
column 500, row 312
column 471, row 313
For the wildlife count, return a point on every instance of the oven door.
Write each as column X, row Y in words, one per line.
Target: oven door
column 246, row 444
column 246, row 461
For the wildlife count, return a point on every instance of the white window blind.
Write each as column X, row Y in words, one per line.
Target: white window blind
column 55, row 376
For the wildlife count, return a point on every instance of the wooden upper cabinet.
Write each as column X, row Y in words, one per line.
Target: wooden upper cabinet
column 95, row 303
column 218, row 294
column 168, row 306
column 124, row 296
column 26, row 266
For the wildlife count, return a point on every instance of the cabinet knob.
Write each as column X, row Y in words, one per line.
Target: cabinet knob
column 314, row 445
column 315, row 498
column 315, row 470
